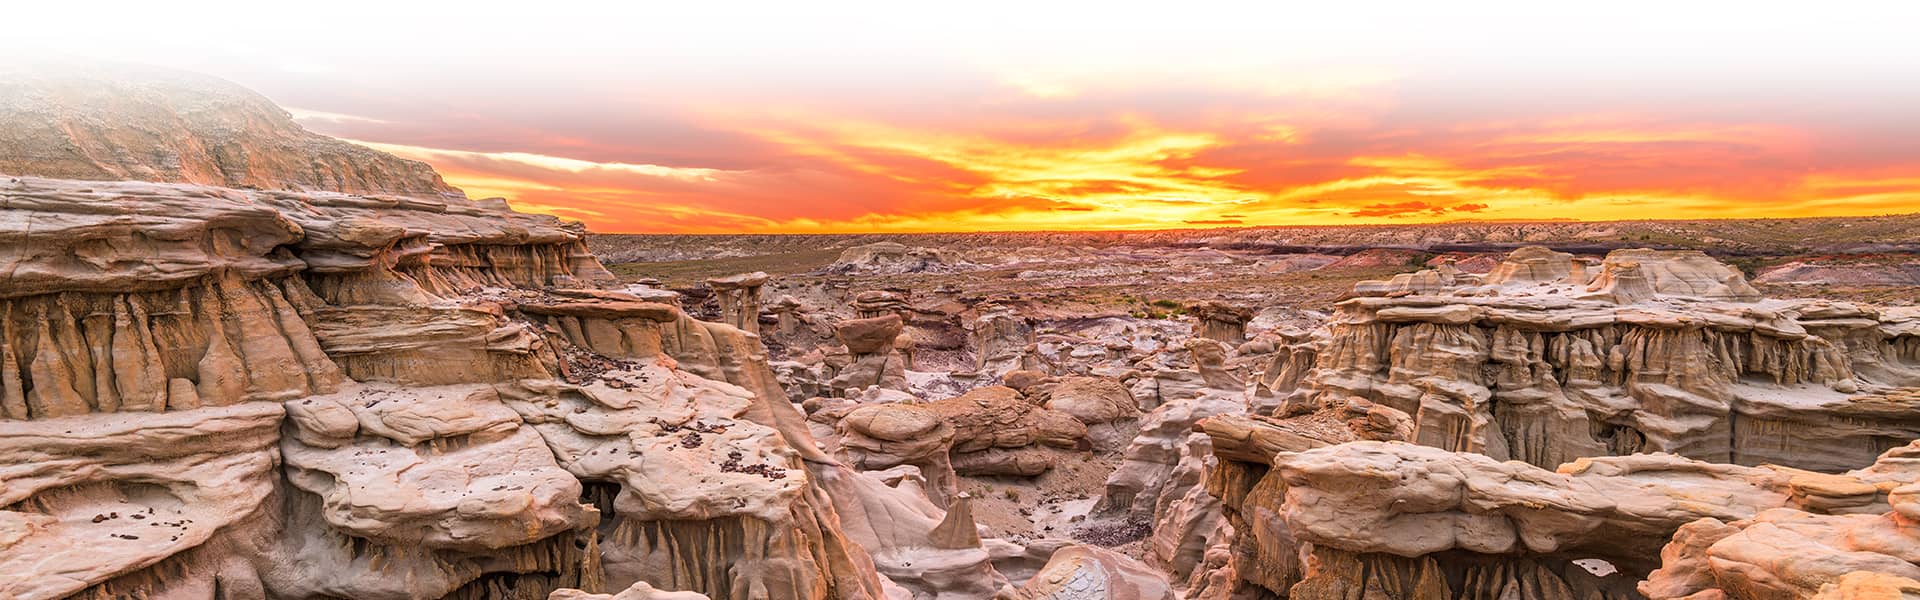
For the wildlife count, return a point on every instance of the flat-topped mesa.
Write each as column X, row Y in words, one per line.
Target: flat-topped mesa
column 739, row 297
column 1547, row 360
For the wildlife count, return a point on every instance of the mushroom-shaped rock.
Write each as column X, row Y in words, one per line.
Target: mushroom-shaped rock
column 739, row 297
column 871, row 335
column 1220, row 321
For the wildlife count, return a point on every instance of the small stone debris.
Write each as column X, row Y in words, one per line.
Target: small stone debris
column 732, row 465
column 585, row 367
column 1113, row 534
column 696, row 426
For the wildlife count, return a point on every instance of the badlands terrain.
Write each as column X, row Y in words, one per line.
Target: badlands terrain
column 239, row 360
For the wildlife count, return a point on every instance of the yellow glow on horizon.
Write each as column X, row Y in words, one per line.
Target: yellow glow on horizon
column 1150, row 175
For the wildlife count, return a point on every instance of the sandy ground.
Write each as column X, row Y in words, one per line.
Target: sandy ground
column 1046, row 506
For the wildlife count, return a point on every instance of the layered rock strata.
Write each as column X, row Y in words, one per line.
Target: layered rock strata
column 1417, row 521
column 1647, row 378
column 1545, row 362
column 459, row 409
column 91, row 121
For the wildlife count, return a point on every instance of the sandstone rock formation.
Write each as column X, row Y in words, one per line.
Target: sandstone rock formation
column 289, row 367
column 1221, row 322
column 1196, row 369
column 739, row 297
column 1406, row 517
column 109, row 123
column 1104, row 405
column 998, row 432
column 217, row 392
column 106, row 497
column 450, row 405
column 1001, row 342
column 873, row 362
column 878, row 303
column 889, row 258
column 877, row 437
column 1861, row 546
column 638, row 591
column 1656, row 351
column 1089, row 572
column 1550, row 359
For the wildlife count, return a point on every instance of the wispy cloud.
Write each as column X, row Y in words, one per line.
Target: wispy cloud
column 1006, row 153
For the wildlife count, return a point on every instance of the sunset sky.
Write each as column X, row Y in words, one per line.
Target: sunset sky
column 839, row 117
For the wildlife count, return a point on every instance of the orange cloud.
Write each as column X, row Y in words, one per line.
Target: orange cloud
column 1059, row 156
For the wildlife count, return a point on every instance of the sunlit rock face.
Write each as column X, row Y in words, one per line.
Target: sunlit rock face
column 891, row 258
column 1408, row 517
column 110, row 501
column 432, row 427
column 366, row 386
column 109, row 123
column 1633, row 427
column 241, row 380
column 1546, row 362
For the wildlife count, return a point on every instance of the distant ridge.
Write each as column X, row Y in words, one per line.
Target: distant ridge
column 111, row 122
